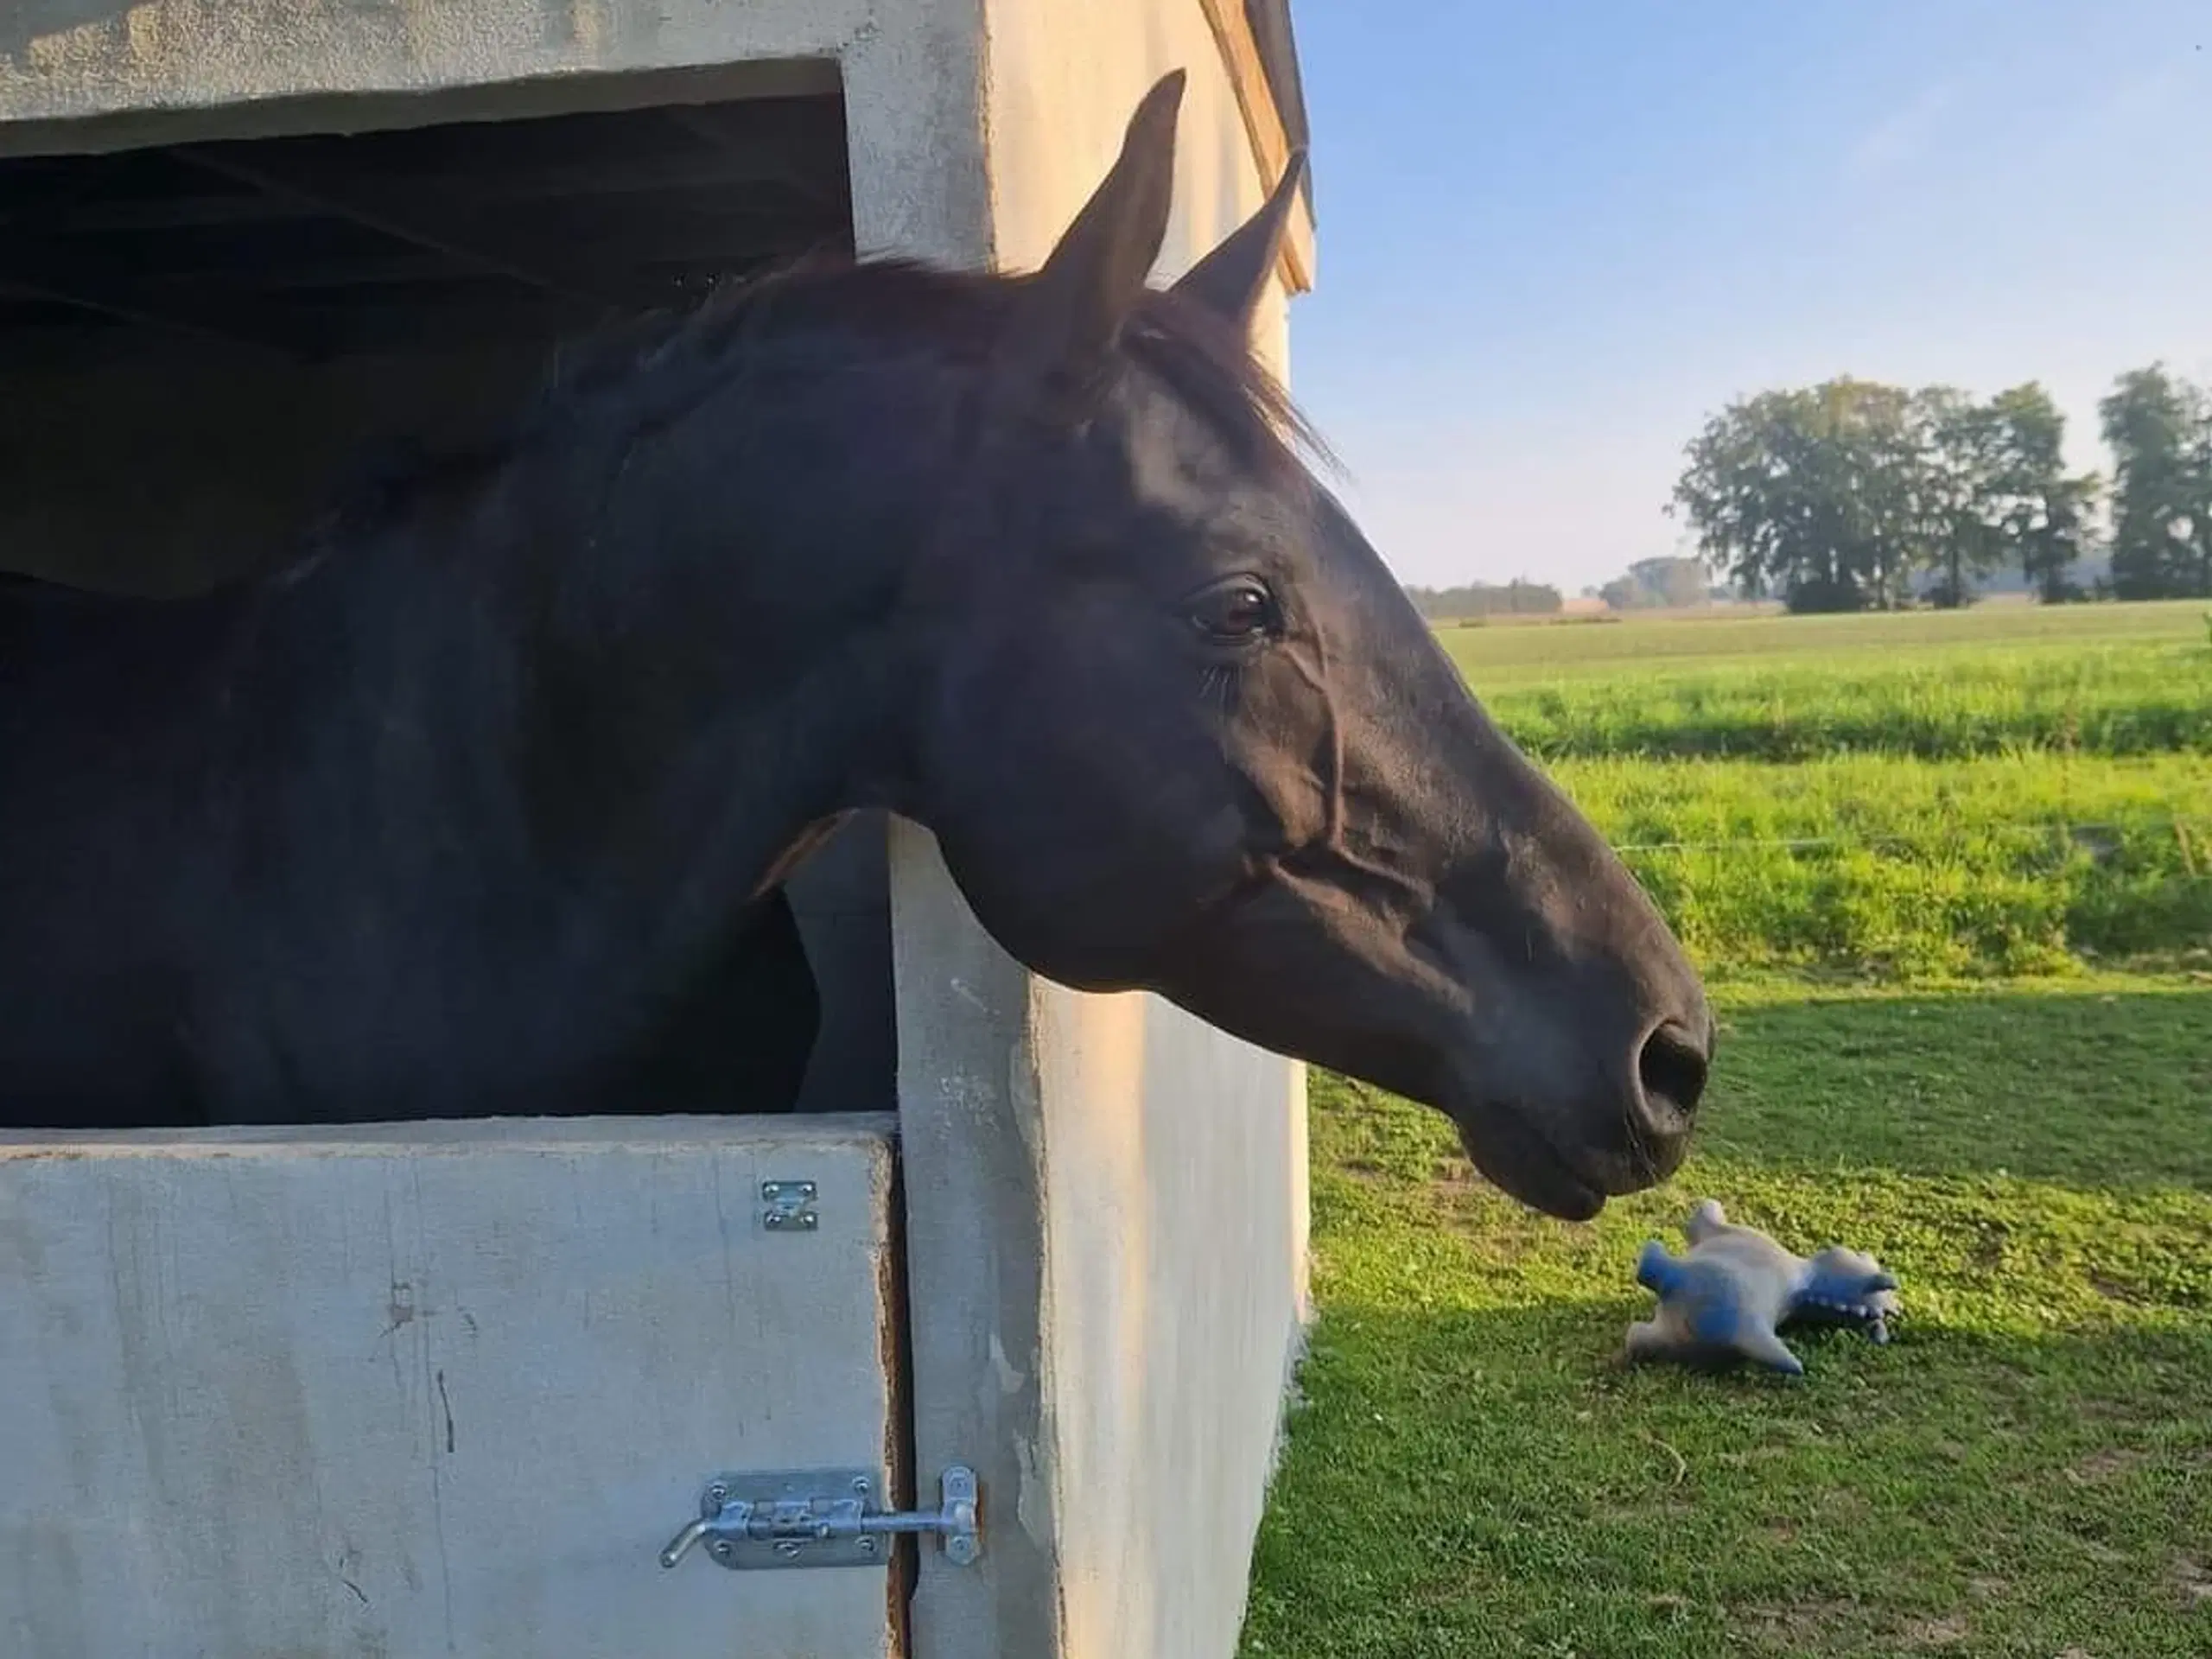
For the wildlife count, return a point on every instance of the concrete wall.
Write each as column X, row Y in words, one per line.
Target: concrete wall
column 1107, row 1199
column 78, row 74
column 106, row 74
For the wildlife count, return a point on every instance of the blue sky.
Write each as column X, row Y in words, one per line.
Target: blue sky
column 1555, row 237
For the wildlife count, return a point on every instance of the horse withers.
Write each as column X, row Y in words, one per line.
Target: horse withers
column 481, row 804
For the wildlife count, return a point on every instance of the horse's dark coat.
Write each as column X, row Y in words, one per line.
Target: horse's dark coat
column 477, row 807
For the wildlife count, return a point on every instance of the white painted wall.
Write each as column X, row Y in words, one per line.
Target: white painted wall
column 1122, row 1355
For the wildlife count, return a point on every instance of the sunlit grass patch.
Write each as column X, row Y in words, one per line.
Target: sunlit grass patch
column 2027, row 1468
column 1878, row 863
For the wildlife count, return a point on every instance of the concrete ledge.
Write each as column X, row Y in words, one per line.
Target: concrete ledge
column 67, row 60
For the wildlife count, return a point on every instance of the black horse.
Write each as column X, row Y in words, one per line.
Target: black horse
column 482, row 805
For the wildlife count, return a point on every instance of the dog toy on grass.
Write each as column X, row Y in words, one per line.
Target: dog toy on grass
column 1730, row 1297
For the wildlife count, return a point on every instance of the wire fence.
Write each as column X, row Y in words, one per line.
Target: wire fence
column 2195, row 841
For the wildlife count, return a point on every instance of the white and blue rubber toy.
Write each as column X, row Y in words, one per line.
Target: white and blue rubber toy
column 1731, row 1295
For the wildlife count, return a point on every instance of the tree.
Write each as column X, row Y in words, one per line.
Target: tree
column 2159, row 429
column 1823, row 495
column 1962, row 452
column 1657, row 584
column 1515, row 598
column 1839, row 496
column 1999, row 493
column 2041, row 511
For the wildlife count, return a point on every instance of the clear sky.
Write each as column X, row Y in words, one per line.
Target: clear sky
column 1553, row 237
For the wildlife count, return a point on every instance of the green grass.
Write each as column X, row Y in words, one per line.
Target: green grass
column 2027, row 1469
column 1902, row 815
column 2005, row 790
column 1498, row 658
column 1881, row 864
column 2146, row 697
column 2106, row 679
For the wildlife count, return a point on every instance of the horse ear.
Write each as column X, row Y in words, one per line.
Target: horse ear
column 1074, row 307
column 1230, row 281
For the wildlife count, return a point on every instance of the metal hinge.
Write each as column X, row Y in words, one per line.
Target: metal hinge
column 821, row 1517
column 790, row 1207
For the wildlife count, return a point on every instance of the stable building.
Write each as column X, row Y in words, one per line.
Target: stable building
column 1028, row 1268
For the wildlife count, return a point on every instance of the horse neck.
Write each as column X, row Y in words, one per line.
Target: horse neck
column 673, row 654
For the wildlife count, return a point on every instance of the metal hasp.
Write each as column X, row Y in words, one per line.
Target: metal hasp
column 821, row 1517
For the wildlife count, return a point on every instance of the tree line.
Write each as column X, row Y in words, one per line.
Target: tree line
column 1853, row 495
column 1483, row 599
column 1661, row 584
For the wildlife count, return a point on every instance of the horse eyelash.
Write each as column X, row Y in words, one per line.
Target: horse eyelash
column 1223, row 677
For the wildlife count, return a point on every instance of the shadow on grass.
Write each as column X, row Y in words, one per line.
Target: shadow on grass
column 1487, row 1481
column 2081, row 1085
column 2027, row 1469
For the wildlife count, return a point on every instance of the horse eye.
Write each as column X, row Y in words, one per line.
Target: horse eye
column 1237, row 612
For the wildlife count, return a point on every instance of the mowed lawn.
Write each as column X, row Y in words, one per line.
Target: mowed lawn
column 2027, row 1469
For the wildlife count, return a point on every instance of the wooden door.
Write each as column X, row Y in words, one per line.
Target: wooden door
column 432, row 1388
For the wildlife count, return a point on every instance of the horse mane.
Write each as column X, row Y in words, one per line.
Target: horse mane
column 644, row 371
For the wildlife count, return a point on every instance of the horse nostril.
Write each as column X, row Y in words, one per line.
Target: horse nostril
column 1672, row 1069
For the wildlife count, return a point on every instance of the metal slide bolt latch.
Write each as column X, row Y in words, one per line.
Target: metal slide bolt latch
column 819, row 1518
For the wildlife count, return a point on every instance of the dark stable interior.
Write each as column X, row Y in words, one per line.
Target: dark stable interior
column 198, row 341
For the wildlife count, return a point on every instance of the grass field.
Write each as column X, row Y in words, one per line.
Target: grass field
column 1498, row 658
column 2027, row 1470
column 2007, row 789
column 1888, row 864
column 2116, row 699
column 2108, row 679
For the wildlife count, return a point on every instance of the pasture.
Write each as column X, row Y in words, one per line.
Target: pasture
column 1959, row 945
column 2007, row 790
